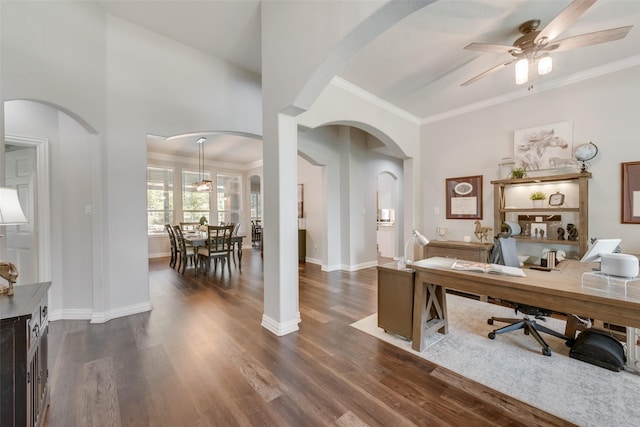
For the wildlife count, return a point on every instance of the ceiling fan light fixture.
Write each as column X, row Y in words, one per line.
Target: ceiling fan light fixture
column 534, row 41
column 545, row 64
column 522, row 71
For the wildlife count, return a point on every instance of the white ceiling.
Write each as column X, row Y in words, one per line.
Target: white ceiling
column 419, row 64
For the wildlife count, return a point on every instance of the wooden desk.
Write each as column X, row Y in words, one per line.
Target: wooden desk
column 559, row 290
column 472, row 251
column 395, row 299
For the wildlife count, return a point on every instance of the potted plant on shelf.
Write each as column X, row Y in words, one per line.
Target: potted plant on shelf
column 518, row 173
column 538, row 198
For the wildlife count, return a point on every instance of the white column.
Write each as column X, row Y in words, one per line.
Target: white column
column 281, row 312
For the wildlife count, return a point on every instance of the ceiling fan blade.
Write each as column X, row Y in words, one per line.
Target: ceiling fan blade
column 589, row 39
column 488, row 47
column 489, row 71
column 563, row 20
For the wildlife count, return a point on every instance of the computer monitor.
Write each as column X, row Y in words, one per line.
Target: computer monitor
column 600, row 246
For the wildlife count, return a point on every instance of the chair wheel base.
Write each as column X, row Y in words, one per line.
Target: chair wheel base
column 546, row 352
column 490, row 321
column 492, row 335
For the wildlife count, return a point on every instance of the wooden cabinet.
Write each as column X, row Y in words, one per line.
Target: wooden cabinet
column 24, row 373
column 302, row 245
column 577, row 208
column 395, row 299
column 470, row 251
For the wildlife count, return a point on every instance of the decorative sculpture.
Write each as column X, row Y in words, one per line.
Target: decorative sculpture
column 9, row 272
column 572, row 231
column 560, row 234
column 482, row 233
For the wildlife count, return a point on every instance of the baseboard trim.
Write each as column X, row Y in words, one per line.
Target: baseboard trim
column 344, row 267
column 160, row 255
column 98, row 317
column 121, row 312
column 278, row 328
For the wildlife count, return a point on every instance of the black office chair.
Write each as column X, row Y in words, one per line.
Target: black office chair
column 504, row 252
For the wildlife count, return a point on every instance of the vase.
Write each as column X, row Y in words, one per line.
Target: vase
column 538, row 204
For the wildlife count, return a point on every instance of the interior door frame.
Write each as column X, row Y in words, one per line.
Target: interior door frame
column 42, row 202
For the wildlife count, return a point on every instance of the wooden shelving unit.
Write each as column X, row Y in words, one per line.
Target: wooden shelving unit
column 579, row 179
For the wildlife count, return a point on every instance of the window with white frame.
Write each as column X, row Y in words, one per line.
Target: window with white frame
column 229, row 198
column 159, row 199
column 255, row 198
column 195, row 204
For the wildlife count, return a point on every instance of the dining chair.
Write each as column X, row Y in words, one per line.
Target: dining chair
column 218, row 246
column 185, row 253
column 256, row 232
column 236, row 227
column 172, row 242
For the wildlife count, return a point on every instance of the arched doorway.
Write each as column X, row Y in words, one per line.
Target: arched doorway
column 58, row 187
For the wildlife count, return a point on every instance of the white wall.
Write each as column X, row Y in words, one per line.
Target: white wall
column 71, row 189
column 348, row 182
column 603, row 110
column 121, row 95
column 314, row 209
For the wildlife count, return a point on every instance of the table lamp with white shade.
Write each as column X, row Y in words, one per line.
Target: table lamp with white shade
column 10, row 214
column 416, row 238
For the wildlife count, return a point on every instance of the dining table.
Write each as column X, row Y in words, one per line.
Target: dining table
column 198, row 239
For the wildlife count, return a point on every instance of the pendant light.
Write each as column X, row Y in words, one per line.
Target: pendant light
column 203, row 185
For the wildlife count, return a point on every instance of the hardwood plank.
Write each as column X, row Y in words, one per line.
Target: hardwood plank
column 201, row 358
column 99, row 397
column 350, row 420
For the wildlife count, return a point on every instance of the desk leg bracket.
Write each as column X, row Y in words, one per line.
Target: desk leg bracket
column 432, row 316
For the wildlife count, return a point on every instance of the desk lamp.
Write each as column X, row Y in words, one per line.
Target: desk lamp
column 10, row 214
column 416, row 238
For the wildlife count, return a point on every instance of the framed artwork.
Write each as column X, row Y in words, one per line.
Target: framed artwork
column 464, row 197
column 544, row 147
column 631, row 193
column 300, row 200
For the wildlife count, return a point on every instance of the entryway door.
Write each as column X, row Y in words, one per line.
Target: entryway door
column 22, row 242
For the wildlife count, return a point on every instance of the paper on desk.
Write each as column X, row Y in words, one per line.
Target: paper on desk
column 488, row 268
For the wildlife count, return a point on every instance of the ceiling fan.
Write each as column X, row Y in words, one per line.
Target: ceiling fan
column 534, row 45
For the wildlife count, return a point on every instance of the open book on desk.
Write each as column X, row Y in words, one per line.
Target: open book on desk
column 482, row 267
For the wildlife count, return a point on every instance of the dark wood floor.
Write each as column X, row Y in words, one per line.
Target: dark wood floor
column 201, row 358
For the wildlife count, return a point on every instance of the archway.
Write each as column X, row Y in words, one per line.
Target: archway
column 66, row 179
column 346, row 198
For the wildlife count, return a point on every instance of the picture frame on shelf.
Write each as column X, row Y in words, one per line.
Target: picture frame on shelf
column 631, row 193
column 464, row 197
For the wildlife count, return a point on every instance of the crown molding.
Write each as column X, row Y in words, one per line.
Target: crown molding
column 371, row 98
column 190, row 161
column 623, row 64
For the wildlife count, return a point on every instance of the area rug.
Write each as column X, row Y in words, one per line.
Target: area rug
column 513, row 364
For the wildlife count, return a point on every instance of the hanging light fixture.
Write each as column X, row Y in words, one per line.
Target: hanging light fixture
column 204, row 184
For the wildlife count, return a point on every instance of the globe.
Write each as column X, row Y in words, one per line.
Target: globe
column 585, row 152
